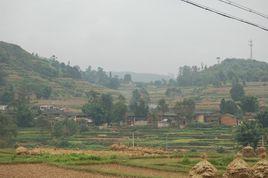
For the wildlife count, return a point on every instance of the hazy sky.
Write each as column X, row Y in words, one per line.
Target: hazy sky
column 153, row 36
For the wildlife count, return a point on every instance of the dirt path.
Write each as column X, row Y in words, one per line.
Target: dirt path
column 134, row 171
column 42, row 171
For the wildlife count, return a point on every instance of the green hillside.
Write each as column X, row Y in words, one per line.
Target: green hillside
column 227, row 71
column 36, row 75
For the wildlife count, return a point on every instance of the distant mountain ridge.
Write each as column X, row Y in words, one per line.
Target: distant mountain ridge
column 143, row 77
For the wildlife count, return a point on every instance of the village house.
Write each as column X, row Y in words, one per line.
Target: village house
column 163, row 123
column 206, row 116
column 51, row 109
column 228, row 120
column 133, row 120
column 173, row 120
column 3, row 107
column 83, row 118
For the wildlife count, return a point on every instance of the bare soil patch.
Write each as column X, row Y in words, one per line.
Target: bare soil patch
column 42, row 171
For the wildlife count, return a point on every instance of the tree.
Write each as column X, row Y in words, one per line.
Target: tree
column 99, row 108
column 189, row 108
column 2, row 75
column 23, row 112
column 44, row 92
column 92, row 96
column 222, row 106
column 96, row 111
column 249, row 132
column 237, row 91
column 119, row 110
column 249, row 104
column 106, row 101
column 65, row 128
column 229, row 107
column 162, row 106
column 127, row 78
column 154, row 117
column 262, row 117
column 8, row 95
column 139, row 102
column 8, row 130
column 185, row 109
column 42, row 122
column 114, row 83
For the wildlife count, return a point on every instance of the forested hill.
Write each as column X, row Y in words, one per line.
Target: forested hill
column 19, row 62
column 227, row 71
column 45, row 76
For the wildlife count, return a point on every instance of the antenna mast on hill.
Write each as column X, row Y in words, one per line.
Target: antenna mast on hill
column 251, row 49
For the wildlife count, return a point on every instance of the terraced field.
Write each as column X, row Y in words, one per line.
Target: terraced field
column 199, row 139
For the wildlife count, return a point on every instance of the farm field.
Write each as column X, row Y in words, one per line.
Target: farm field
column 91, row 151
column 166, row 138
column 110, row 164
column 43, row 170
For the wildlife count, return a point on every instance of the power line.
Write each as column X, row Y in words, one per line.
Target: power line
column 224, row 14
column 244, row 8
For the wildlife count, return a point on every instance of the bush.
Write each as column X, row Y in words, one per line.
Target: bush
column 220, row 149
column 185, row 160
column 65, row 128
column 61, row 143
column 8, row 130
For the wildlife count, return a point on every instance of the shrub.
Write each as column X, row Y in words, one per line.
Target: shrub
column 220, row 149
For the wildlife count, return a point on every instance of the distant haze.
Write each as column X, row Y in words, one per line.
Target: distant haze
column 148, row 36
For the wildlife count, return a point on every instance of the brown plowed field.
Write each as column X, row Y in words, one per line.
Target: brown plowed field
column 42, row 171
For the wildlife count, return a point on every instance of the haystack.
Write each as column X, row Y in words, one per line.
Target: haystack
column 22, row 150
column 261, row 150
column 238, row 168
column 248, row 152
column 260, row 169
column 203, row 169
column 118, row 147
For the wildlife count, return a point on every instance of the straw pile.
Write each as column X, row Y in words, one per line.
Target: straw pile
column 260, row 169
column 22, row 151
column 248, row 152
column 203, row 169
column 238, row 168
column 136, row 151
column 261, row 150
column 118, row 147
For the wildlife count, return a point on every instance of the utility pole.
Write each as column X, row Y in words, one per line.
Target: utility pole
column 166, row 143
column 133, row 142
column 251, row 49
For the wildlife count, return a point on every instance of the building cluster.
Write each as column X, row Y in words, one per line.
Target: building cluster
column 172, row 119
column 161, row 121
